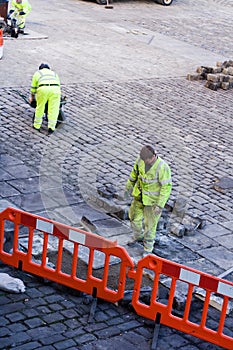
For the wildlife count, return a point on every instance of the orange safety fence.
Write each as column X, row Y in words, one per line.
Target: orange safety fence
column 162, row 271
column 177, row 276
column 77, row 239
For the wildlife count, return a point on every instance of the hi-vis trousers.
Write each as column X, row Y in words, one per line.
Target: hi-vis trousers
column 144, row 229
column 52, row 95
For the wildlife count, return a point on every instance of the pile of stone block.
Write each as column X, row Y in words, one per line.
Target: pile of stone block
column 220, row 76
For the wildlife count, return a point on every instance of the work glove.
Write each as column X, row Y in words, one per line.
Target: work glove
column 32, row 101
column 157, row 210
column 10, row 12
column 22, row 13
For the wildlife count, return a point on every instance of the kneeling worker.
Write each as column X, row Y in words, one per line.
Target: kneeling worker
column 46, row 89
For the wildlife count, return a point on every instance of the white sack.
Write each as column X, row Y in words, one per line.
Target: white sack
column 11, row 284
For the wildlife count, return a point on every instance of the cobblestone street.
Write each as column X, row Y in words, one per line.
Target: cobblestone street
column 123, row 72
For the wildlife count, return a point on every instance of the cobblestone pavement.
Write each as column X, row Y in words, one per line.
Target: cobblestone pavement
column 48, row 316
column 118, row 100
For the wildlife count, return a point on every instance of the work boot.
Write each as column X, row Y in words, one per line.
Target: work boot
column 50, row 131
column 134, row 243
column 36, row 128
column 21, row 30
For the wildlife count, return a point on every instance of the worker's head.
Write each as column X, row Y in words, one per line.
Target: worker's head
column 147, row 154
column 19, row 1
column 44, row 65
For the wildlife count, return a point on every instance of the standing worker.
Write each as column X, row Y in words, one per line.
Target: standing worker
column 150, row 184
column 46, row 89
column 20, row 9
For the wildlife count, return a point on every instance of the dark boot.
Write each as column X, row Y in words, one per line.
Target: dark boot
column 50, row 131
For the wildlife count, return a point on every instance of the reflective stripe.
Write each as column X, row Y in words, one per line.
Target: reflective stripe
column 131, row 179
column 189, row 276
column 163, row 182
column 49, row 77
column 156, row 174
column 151, row 193
column 148, row 181
column 48, row 85
column 77, row 237
column 44, row 226
column 225, row 289
column 158, row 168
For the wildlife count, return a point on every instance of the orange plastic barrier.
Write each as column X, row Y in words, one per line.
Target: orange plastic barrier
column 1, row 43
column 176, row 274
column 29, row 225
column 94, row 244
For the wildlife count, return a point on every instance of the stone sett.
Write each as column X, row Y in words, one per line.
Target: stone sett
column 115, row 321
column 34, row 322
column 54, row 338
column 74, row 333
column 52, row 317
column 17, row 327
column 68, row 304
column 85, row 338
column 11, row 308
column 16, row 316
column 4, row 331
column 65, row 344
column 58, row 327
column 108, row 332
column 73, row 323
column 34, row 293
column 69, row 313
column 43, row 309
column 91, row 327
column 129, row 325
column 29, row 346
column 22, row 338
column 33, row 303
column 101, row 316
column 4, row 300
column 5, row 342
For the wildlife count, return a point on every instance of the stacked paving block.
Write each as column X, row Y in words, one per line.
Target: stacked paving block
column 220, row 76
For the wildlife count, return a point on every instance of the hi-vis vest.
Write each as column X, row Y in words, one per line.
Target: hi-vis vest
column 44, row 77
column 152, row 187
column 24, row 6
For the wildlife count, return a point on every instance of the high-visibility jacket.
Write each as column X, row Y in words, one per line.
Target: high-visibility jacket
column 44, row 77
column 24, row 6
column 152, row 187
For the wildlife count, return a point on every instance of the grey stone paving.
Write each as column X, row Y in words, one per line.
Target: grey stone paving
column 123, row 72
column 48, row 316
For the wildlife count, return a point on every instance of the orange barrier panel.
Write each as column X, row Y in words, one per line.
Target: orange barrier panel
column 176, row 274
column 1, row 43
column 95, row 244
column 160, row 268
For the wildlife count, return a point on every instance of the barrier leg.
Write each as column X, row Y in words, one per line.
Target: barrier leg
column 156, row 332
column 93, row 306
